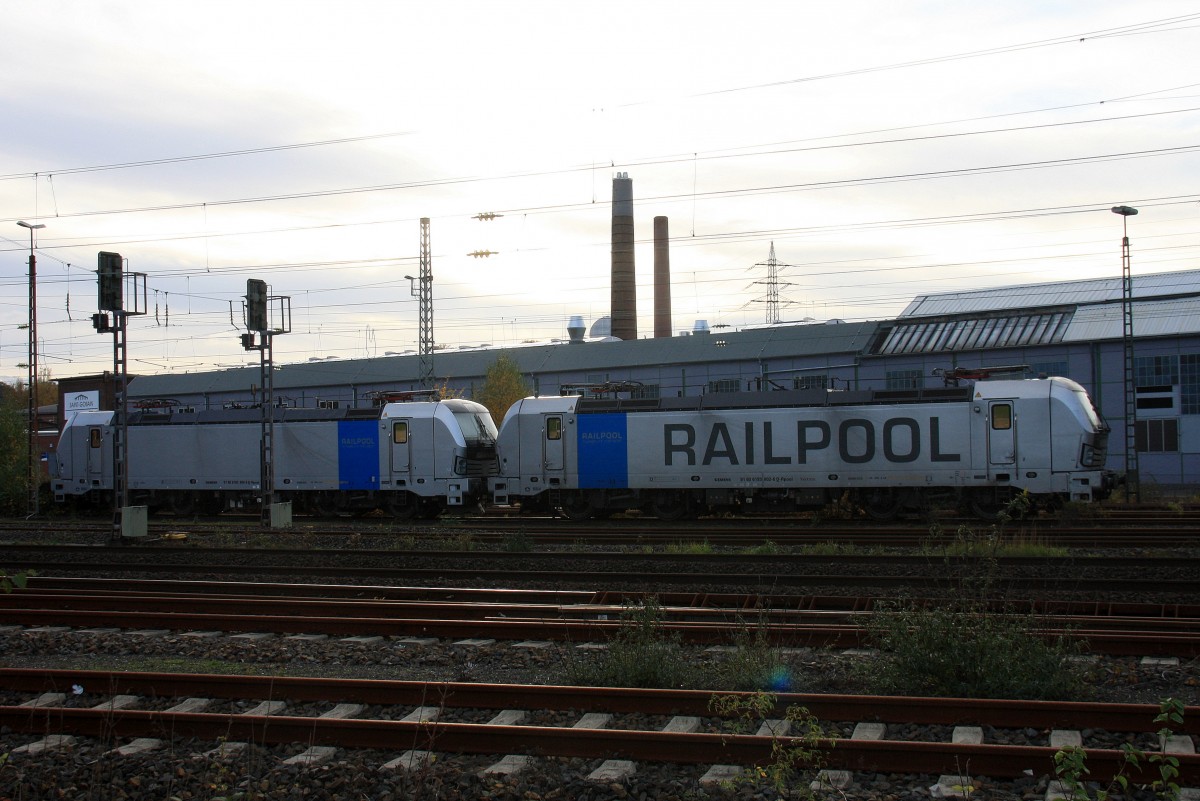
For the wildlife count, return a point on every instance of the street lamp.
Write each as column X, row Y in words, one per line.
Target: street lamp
column 34, row 470
column 1133, row 491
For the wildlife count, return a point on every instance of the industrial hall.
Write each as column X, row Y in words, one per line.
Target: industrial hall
column 1070, row 328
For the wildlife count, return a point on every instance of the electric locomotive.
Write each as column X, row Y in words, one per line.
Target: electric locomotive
column 791, row 450
column 409, row 459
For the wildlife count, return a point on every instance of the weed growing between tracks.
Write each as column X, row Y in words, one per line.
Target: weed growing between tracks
column 643, row 654
column 15, row 581
column 518, row 542
column 1072, row 772
column 798, row 741
column 969, row 644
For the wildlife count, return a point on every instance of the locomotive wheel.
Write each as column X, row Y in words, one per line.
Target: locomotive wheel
column 323, row 505
column 881, row 503
column 987, row 503
column 401, row 505
column 210, row 505
column 183, row 504
column 671, row 505
column 431, row 509
column 577, row 506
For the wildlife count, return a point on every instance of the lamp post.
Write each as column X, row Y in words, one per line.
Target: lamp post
column 1133, row 490
column 32, row 364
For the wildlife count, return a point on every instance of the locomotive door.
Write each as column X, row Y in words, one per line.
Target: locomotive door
column 552, row 443
column 401, row 448
column 1002, row 440
column 95, row 455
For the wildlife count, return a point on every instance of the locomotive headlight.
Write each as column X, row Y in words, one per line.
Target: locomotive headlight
column 460, row 465
column 1087, row 456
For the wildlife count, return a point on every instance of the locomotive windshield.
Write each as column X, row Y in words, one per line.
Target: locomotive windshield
column 476, row 429
column 1085, row 402
column 1079, row 402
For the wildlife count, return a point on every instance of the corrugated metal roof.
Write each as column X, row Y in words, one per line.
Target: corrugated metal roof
column 976, row 333
column 1150, row 319
column 1057, row 293
column 782, row 341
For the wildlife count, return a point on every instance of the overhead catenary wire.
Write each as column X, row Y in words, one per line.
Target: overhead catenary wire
column 704, row 238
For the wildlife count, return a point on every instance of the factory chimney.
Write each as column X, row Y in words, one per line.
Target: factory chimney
column 662, row 279
column 624, row 278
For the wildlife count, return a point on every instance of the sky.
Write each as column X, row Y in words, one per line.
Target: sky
column 884, row 150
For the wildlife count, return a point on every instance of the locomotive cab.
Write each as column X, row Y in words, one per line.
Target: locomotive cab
column 81, row 465
column 1043, row 436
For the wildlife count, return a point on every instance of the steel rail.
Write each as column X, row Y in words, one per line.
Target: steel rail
column 384, row 692
column 884, row 755
column 1139, row 643
column 877, row 756
column 737, row 614
column 577, row 598
column 1147, row 583
column 160, row 553
column 1174, row 534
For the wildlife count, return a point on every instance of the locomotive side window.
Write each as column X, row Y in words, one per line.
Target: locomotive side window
column 400, row 432
column 553, row 428
column 94, row 437
column 1001, row 417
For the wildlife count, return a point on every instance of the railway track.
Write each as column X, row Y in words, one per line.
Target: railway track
column 404, row 723
column 1170, row 576
column 489, row 737
column 1114, row 530
column 571, row 603
column 1127, row 629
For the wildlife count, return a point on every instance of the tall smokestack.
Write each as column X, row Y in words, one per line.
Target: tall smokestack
column 624, row 278
column 662, row 279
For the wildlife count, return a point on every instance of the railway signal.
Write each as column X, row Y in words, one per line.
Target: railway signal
column 111, row 296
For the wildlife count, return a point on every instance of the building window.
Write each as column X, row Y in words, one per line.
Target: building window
column 1155, row 371
column 810, row 382
column 1049, row 368
column 904, row 379
column 1157, row 436
column 725, row 385
column 645, row 392
column 1189, row 383
column 1159, row 397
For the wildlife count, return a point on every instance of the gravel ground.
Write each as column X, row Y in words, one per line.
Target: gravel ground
column 186, row 770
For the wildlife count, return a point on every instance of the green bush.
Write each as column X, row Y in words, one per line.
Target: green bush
column 952, row 650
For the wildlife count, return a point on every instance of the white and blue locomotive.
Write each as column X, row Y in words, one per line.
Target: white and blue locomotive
column 789, row 450
column 410, row 459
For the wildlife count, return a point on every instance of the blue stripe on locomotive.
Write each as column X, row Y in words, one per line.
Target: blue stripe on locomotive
column 358, row 454
column 603, row 451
